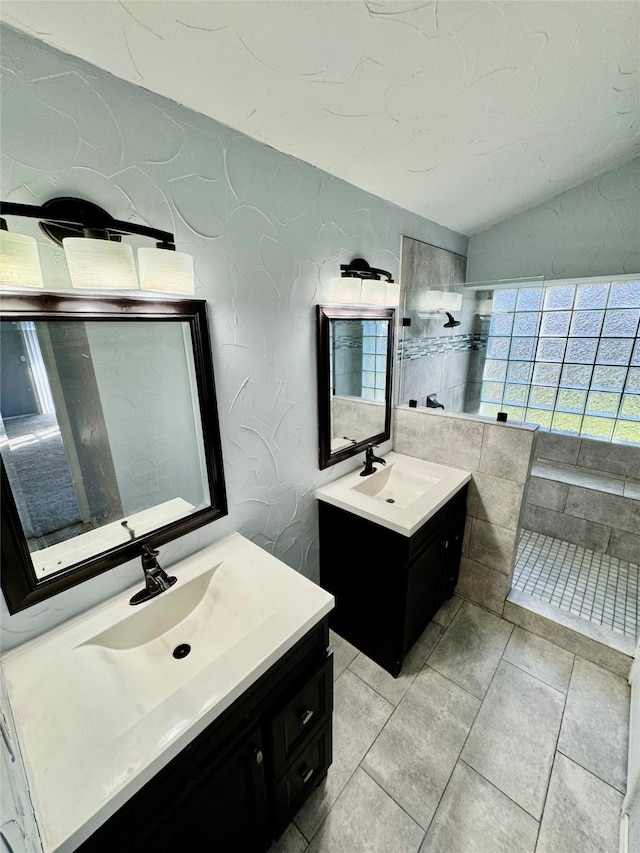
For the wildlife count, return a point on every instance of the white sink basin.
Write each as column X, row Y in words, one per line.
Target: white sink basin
column 101, row 702
column 400, row 496
column 205, row 617
column 396, row 485
column 192, row 601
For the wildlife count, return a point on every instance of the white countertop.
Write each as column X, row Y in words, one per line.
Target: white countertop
column 90, row 740
column 441, row 484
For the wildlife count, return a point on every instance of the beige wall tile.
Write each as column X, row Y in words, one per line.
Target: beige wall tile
column 482, row 585
column 507, row 452
column 439, row 438
column 495, row 499
column 492, row 546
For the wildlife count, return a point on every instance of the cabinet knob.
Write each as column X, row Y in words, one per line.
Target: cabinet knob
column 306, row 716
column 306, row 774
column 259, row 756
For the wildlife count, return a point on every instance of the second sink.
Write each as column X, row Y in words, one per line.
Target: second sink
column 396, row 485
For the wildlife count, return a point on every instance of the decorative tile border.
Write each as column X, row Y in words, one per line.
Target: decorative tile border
column 430, row 346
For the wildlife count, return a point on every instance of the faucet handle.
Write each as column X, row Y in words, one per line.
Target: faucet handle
column 152, row 552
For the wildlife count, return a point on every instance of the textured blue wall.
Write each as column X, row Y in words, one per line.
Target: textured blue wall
column 266, row 231
column 591, row 230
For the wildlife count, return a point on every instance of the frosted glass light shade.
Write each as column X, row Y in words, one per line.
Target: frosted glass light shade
column 100, row 264
column 346, row 290
column 165, row 271
column 393, row 294
column 374, row 292
column 19, row 261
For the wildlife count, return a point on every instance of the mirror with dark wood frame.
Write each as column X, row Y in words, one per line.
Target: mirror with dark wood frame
column 355, row 365
column 109, row 435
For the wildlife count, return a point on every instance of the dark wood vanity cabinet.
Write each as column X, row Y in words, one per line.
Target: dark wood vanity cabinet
column 388, row 586
column 238, row 784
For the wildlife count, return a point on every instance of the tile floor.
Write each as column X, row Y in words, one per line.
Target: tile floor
column 491, row 740
column 593, row 586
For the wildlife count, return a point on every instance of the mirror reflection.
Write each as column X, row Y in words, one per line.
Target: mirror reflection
column 91, row 414
column 355, row 347
column 358, row 379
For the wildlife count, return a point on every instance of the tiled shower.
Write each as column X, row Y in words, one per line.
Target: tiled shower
column 580, row 544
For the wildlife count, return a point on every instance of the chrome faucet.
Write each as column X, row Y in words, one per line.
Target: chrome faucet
column 369, row 459
column 156, row 580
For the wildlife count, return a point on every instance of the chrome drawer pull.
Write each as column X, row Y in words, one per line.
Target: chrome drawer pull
column 306, row 716
column 307, row 774
column 258, row 755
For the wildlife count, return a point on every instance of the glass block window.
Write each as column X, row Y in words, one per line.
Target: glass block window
column 374, row 359
column 567, row 357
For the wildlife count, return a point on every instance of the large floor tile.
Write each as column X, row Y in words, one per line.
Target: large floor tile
column 366, row 820
column 393, row 689
column 582, row 813
column 445, row 615
column 359, row 715
column 513, row 739
column 291, row 841
column 540, row 658
column 343, row 653
column 475, row 816
column 416, row 751
column 595, row 728
column 471, row 648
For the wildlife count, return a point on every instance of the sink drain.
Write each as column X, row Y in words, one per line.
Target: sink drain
column 391, row 500
column 181, row 651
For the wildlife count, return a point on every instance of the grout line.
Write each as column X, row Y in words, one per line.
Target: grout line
column 400, row 806
column 500, row 791
column 591, row 772
column 555, row 751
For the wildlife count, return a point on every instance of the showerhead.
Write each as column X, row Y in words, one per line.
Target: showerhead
column 451, row 323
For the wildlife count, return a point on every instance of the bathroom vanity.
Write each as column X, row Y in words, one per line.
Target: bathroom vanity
column 201, row 717
column 390, row 548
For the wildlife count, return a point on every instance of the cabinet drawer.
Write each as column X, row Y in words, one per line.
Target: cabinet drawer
column 307, row 769
column 301, row 715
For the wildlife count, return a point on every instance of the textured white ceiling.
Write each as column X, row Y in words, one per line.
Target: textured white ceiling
column 463, row 112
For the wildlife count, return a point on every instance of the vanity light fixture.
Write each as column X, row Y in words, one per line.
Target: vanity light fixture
column 359, row 268
column 19, row 259
column 362, row 284
column 96, row 256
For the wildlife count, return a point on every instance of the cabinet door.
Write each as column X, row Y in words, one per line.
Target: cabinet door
column 225, row 811
column 452, row 555
column 424, row 591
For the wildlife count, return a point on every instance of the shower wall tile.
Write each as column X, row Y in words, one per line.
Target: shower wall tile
column 557, row 448
column 579, row 531
column 612, row 510
column 547, row 493
column 624, row 546
column 586, row 493
column 613, row 458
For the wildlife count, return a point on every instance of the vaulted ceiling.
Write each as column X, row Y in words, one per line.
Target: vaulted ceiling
column 464, row 112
